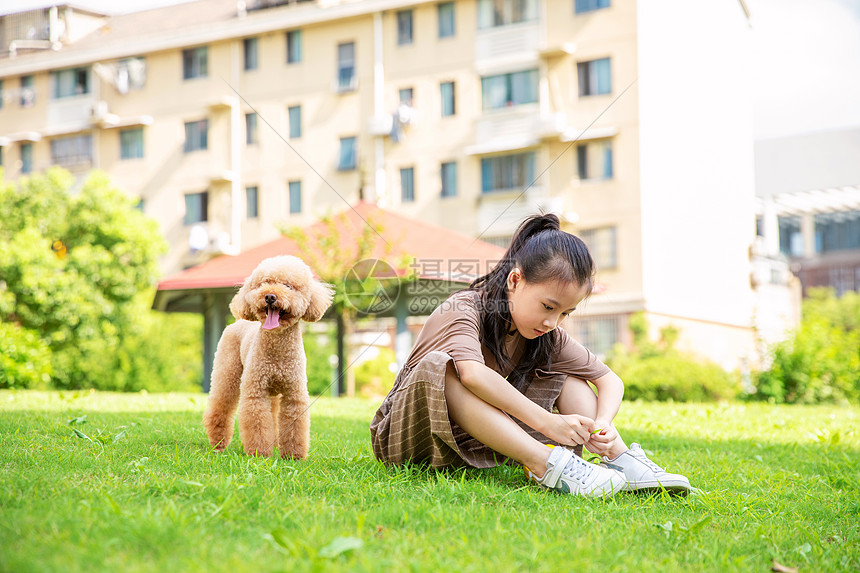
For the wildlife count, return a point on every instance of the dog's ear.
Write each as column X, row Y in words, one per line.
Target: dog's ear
column 321, row 296
column 239, row 307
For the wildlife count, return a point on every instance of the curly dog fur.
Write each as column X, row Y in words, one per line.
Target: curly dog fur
column 260, row 362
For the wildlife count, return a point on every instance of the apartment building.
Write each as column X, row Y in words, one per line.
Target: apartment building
column 631, row 119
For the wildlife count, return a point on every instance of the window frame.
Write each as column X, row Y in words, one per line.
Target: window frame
column 196, row 138
column 346, row 83
column 294, row 123
column 589, row 77
column 405, row 27
column 248, row 202
column 453, row 98
column 294, row 46
column 448, row 173
column 125, row 144
column 250, row 47
column 407, row 184
column 204, row 208
column 348, row 166
column 294, row 197
column 512, row 92
column 252, row 132
column 521, row 175
column 195, row 63
column 446, row 11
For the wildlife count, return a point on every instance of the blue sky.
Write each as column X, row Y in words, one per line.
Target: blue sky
column 806, row 57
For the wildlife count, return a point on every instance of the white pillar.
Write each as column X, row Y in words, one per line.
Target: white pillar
column 770, row 227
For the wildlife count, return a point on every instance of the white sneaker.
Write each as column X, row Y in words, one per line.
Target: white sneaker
column 641, row 474
column 568, row 473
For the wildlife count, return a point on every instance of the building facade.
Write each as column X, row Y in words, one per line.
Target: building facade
column 630, row 119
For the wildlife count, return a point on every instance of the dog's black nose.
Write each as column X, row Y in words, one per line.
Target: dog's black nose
column 271, row 299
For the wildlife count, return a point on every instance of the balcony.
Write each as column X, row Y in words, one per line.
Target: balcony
column 500, row 212
column 516, row 128
column 70, row 114
column 507, row 47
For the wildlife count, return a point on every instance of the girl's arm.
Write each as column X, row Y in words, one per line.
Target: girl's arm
column 610, row 389
column 489, row 386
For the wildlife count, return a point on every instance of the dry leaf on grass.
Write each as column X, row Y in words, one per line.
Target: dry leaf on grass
column 780, row 568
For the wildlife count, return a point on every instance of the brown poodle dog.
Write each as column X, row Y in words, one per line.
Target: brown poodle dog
column 260, row 361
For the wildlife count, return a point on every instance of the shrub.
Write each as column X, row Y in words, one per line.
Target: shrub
column 319, row 347
column 677, row 377
column 25, row 361
column 655, row 370
column 375, row 377
column 820, row 361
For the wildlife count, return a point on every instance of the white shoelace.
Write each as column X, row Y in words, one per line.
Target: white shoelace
column 578, row 469
column 641, row 456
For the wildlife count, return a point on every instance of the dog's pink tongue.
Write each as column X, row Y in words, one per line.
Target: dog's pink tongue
column 272, row 319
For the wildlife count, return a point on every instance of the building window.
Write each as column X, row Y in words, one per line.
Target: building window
column 597, row 333
column 581, row 6
column 448, row 103
column 404, row 27
column 195, row 63
column 445, row 12
column 294, row 46
column 506, row 90
column 68, row 83
column 346, row 67
column 72, row 152
column 130, row 74
column 295, row 197
column 407, row 185
column 131, row 143
column 594, row 77
column 594, row 160
column 603, row 246
column 250, row 45
column 196, row 135
column 838, row 231
column 449, row 179
column 26, row 157
column 251, row 134
column 347, row 161
column 251, row 198
column 507, row 172
column 494, row 13
column 405, row 96
column 790, row 237
column 196, row 208
column 295, row 113
column 28, row 92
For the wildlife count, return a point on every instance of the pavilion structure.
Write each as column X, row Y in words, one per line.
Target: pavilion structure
column 418, row 265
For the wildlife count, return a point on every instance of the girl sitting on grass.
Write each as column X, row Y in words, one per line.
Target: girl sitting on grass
column 490, row 366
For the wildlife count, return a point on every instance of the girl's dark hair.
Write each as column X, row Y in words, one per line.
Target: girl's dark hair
column 543, row 252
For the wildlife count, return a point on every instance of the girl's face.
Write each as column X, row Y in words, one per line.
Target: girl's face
column 538, row 308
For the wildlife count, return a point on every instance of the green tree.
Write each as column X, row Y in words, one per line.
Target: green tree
column 72, row 265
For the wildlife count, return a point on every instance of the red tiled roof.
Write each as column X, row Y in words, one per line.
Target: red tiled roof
column 439, row 253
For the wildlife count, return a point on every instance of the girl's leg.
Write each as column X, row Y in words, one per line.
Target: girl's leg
column 577, row 397
column 491, row 426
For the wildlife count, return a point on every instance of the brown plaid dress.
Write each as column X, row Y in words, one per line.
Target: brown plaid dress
column 412, row 424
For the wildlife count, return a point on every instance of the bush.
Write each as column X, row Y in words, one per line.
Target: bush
column 657, row 371
column 677, row 377
column 820, row 361
column 318, row 348
column 25, row 361
column 374, row 377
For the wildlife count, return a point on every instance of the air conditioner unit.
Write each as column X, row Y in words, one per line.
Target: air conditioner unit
column 99, row 111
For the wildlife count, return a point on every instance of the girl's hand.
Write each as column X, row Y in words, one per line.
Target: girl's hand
column 601, row 441
column 568, row 429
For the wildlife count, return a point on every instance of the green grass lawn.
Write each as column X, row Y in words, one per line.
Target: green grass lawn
column 110, row 482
